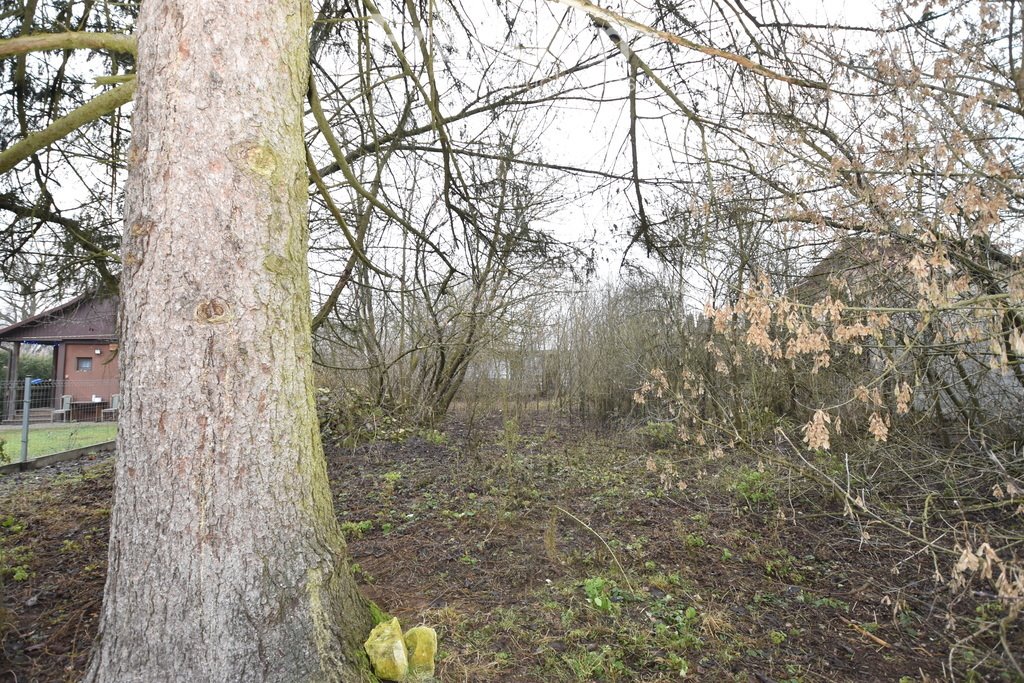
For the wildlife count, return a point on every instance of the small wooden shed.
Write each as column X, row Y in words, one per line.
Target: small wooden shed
column 83, row 334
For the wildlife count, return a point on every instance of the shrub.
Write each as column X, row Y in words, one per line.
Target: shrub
column 754, row 486
column 659, row 434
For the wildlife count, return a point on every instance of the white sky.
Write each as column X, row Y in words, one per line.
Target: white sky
column 584, row 134
column 589, row 136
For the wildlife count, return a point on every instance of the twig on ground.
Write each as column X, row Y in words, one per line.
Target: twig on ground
column 603, row 542
column 867, row 634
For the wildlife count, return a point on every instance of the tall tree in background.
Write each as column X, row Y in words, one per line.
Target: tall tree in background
column 226, row 561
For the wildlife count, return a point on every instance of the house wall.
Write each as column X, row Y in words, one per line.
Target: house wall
column 101, row 379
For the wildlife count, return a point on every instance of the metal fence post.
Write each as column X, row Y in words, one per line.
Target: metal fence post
column 26, row 409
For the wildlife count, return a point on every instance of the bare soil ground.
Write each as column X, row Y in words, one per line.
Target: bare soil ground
column 542, row 551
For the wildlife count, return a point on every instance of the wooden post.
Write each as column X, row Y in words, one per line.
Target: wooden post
column 58, row 375
column 12, row 382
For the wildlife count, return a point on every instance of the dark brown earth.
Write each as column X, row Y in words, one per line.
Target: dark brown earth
column 543, row 551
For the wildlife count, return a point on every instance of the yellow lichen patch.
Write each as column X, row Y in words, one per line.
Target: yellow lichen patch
column 280, row 265
column 321, row 631
column 261, row 160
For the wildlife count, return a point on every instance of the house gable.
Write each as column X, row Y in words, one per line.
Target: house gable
column 86, row 317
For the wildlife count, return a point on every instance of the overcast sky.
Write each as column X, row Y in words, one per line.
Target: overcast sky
column 574, row 133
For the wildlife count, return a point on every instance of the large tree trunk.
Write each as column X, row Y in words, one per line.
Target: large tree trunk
column 226, row 560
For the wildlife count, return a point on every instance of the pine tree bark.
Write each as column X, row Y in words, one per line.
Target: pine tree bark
column 226, row 562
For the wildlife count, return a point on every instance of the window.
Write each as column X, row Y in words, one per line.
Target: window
column 83, row 364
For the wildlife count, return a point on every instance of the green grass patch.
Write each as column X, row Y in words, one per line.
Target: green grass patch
column 55, row 439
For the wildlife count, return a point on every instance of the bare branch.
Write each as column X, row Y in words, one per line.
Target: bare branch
column 87, row 113
column 72, row 40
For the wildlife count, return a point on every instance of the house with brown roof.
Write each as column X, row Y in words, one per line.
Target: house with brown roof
column 83, row 336
column 957, row 370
